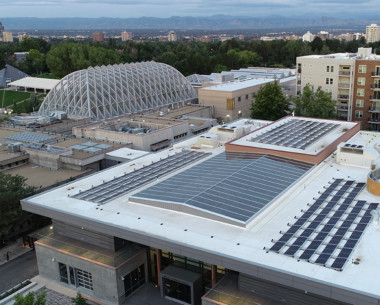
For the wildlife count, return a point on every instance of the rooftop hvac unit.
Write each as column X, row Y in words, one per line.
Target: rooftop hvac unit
column 14, row 147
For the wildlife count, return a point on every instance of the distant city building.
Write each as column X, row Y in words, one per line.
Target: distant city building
column 241, row 37
column 358, row 36
column 98, row 36
column 372, row 33
column 309, row 37
column 267, row 38
column 205, row 39
column 1, row 27
column 172, row 36
column 346, row 37
column 7, row 36
column 126, row 36
column 324, row 35
column 292, row 37
column 21, row 37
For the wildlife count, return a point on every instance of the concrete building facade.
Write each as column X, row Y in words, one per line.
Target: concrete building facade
column 172, row 36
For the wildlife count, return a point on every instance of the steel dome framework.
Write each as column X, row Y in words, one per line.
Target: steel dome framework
column 108, row 91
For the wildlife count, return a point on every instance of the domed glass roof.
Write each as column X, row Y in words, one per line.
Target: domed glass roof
column 108, row 91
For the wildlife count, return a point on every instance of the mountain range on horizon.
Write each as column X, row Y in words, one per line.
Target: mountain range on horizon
column 216, row 22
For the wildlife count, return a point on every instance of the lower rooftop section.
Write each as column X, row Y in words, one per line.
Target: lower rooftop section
column 231, row 188
column 241, row 289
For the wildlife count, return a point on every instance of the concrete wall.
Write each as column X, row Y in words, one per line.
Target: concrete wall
column 76, row 232
column 105, row 281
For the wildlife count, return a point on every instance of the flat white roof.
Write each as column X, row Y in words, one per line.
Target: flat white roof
column 35, row 83
column 240, row 244
column 127, row 153
column 238, row 85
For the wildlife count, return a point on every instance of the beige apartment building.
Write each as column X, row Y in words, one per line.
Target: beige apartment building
column 334, row 73
column 7, row 36
column 372, row 33
column 231, row 100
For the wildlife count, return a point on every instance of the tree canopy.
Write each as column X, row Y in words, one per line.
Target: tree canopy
column 269, row 103
column 316, row 104
column 30, row 299
column 12, row 190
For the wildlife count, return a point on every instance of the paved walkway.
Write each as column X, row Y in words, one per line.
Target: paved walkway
column 14, row 250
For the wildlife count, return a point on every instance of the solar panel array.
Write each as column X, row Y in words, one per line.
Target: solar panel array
column 236, row 186
column 329, row 230
column 90, row 147
column 296, row 133
column 30, row 137
column 128, row 182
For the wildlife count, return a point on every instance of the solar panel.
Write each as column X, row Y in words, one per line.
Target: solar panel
column 229, row 185
column 296, row 133
column 131, row 181
column 339, row 212
column 30, row 137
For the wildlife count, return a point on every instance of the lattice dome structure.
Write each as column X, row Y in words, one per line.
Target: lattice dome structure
column 109, row 91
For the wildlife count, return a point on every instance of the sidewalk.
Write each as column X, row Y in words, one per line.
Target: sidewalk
column 14, row 250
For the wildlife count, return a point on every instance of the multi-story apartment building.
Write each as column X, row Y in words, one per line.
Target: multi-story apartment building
column 352, row 79
column 372, row 33
column 366, row 106
column 334, row 73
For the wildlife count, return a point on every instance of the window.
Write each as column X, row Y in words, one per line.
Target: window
column 358, row 114
column 361, row 81
column 75, row 277
column 328, row 91
column 327, row 80
column 362, row 69
column 377, row 71
column 360, row 92
column 246, row 96
column 230, row 104
column 360, row 103
column 239, row 99
column 328, row 69
column 331, row 81
column 332, row 68
column 134, row 280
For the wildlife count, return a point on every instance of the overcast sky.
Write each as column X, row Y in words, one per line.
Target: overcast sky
column 165, row 8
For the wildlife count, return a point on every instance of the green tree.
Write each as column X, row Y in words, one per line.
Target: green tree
column 316, row 104
column 79, row 300
column 12, row 190
column 269, row 103
column 317, row 44
column 35, row 62
column 30, row 299
column 32, row 104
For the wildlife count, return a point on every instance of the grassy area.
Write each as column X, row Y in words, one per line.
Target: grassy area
column 48, row 75
column 9, row 97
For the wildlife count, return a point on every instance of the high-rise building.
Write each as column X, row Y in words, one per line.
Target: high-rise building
column 1, row 27
column 98, row 36
column 353, row 79
column 126, row 36
column 172, row 36
column 7, row 36
column 372, row 33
